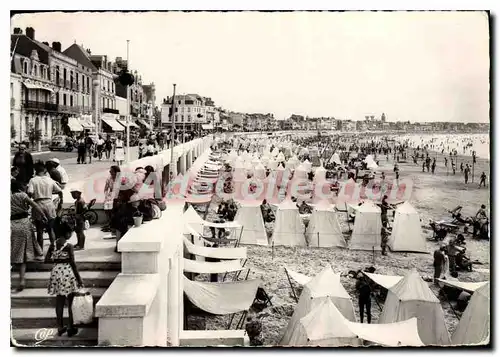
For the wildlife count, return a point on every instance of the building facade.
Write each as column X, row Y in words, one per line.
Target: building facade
column 49, row 91
column 190, row 112
column 104, row 97
column 16, row 129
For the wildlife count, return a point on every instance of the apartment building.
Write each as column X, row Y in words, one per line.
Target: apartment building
column 50, row 96
column 190, row 112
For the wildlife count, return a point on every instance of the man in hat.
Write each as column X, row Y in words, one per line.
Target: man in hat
column 64, row 178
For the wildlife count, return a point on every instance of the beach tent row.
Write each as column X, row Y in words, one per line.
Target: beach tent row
column 324, row 316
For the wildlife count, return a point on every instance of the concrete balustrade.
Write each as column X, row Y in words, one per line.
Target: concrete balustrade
column 144, row 304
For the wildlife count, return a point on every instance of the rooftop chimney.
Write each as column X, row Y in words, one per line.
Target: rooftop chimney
column 30, row 32
column 46, row 44
column 56, row 46
column 18, row 31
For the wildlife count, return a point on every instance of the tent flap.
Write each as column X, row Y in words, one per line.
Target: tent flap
column 200, row 267
column 215, row 253
column 222, row 298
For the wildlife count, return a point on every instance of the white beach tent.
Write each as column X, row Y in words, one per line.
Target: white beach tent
column 281, row 157
column 324, row 326
column 249, row 216
column 474, row 326
column 367, row 227
column 325, row 285
column 324, row 229
column 290, row 164
column 300, row 172
column 406, row 233
column 307, row 165
column 288, row 227
column 260, row 171
column 320, row 174
column 335, row 158
column 412, row 297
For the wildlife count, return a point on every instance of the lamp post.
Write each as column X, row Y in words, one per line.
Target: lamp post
column 172, row 135
column 96, row 84
column 128, row 106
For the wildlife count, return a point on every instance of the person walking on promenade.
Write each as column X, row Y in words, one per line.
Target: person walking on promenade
column 100, row 147
column 23, row 246
column 24, row 162
column 89, row 147
column 466, row 174
column 81, row 149
column 119, row 151
column 461, row 167
column 433, row 166
column 445, row 162
column 483, row 180
column 41, row 188
column 108, row 146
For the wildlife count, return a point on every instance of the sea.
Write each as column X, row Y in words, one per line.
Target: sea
column 465, row 144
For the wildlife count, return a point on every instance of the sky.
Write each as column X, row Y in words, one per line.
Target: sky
column 417, row 66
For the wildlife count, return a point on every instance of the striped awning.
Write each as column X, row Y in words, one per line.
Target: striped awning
column 74, row 124
column 144, row 123
column 112, row 122
column 124, row 123
column 36, row 86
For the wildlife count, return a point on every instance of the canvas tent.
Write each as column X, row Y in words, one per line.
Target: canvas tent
column 324, row 229
column 254, row 231
column 406, row 233
column 412, row 297
column 288, row 227
column 324, row 326
column 367, row 227
column 474, row 326
column 324, row 286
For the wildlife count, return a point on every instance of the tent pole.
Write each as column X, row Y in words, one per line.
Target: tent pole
column 291, row 286
column 239, row 239
column 318, row 240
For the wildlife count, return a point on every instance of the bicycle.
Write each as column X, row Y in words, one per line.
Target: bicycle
column 90, row 215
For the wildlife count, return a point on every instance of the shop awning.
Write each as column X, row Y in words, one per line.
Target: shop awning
column 143, row 123
column 112, row 122
column 74, row 124
column 35, row 86
column 86, row 122
column 124, row 123
column 207, row 126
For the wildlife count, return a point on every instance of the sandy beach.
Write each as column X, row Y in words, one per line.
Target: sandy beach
column 432, row 196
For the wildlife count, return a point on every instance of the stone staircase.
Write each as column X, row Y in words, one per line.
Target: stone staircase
column 33, row 317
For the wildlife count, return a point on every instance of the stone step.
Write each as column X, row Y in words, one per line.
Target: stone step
column 81, row 265
column 29, row 298
column 40, row 279
column 34, row 337
column 37, row 318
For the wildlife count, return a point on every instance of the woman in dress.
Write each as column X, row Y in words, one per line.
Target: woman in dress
column 110, row 195
column 23, row 245
column 64, row 279
column 119, row 151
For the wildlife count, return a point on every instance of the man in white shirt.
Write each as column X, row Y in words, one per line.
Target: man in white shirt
column 62, row 171
column 100, row 147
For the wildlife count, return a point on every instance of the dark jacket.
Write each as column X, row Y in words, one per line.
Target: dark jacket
column 24, row 162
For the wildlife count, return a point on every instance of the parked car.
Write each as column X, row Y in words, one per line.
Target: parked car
column 62, row 143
